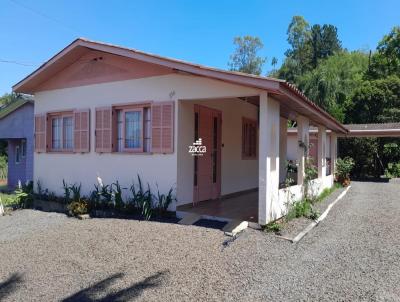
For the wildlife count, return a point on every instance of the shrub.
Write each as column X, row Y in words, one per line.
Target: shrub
column 80, row 207
column 142, row 200
column 393, row 170
column 343, row 169
column 164, row 200
column 24, row 195
column 273, row 227
column 302, row 208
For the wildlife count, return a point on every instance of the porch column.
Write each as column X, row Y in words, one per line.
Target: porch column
column 282, row 148
column 303, row 135
column 268, row 162
column 333, row 152
column 321, row 151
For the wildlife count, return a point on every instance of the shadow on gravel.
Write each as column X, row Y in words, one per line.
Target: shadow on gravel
column 9, row 285
column 92, row 293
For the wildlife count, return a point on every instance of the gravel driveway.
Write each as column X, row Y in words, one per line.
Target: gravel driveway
column 353, row 255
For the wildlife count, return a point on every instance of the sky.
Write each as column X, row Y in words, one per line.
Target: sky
column 32, row 31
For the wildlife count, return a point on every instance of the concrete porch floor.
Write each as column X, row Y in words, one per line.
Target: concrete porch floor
column 243, row 207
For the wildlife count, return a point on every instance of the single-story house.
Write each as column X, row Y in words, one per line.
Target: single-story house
column 16, row 127
column 219, row 137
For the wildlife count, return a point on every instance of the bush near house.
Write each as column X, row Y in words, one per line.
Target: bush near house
column 343, row 170
column 393, row 170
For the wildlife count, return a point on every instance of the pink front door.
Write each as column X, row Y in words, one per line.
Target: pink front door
column 207, row 168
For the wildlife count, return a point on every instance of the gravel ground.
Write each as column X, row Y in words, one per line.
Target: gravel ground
column 353, row 255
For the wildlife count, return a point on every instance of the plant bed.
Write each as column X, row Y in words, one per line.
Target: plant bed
column 49, row 206
column 290, row 228
column 168, row 217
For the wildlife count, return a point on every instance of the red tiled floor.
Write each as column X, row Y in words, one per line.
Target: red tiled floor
column 243, row 207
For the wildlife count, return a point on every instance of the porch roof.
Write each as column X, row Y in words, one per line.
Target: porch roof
column 292, row 99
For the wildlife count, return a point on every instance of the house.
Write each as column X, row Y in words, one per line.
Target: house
column 218, row 137
column 16, row 126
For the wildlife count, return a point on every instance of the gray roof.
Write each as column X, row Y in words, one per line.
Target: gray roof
column 383, row 126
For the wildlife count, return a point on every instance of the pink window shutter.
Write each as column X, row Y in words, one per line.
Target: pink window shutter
column 168, row 127
column 156, row 128
column 40, row 133
column 82, row 131
column 103, row 130
column 162, row 122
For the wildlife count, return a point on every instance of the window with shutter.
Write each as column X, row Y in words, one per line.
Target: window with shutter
column 249, row 139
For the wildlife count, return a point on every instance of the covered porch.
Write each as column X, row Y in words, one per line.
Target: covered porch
column 253, row 189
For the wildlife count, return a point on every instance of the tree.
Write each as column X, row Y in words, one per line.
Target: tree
column 386, row 60
column 333, row 82
column 324, row 42
column 8, row 98
column 376, row 101
column 245, row 58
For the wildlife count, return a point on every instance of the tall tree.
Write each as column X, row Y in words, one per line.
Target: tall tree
column 386, row 60
column 324, row 42
column 332, row 83
column 246, row 58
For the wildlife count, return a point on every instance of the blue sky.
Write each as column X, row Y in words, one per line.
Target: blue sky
column 31, row 31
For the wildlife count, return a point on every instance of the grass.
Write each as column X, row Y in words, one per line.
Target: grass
column 304, row 208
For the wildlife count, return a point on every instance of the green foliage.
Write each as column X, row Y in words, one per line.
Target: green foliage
column 67, row 192
column 274, row 227
column 77, row 208
column 3, row 167
column 24, row 195
column 376, row 101
column 393, row 170
column 117, row 193
column 245, row 58
column 142, row 199
column 331, row 84
column 386, row 61
column 302, row 208
column 309, row 46
column 164, row 200
column 343, row 169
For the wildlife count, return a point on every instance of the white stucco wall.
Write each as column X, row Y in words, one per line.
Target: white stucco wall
column 52, row 168
column 236, row 174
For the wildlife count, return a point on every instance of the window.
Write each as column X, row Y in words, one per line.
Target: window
column 17, row 155
column 133, row 129
column 249, row 139
column 62, row 132
column 23, row 148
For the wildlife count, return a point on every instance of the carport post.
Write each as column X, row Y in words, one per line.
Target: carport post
column 321, row 152
column 333, row 152
column 268, row 169
column 303, row 136
column 282, row 149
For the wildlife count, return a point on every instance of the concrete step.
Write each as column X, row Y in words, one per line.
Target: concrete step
column 189, row 219
column 235, row 226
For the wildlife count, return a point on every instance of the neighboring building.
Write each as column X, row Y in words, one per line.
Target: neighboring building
column 16, row 126
column 115, row 112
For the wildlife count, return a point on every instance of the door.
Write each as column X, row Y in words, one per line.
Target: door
column 207, row 166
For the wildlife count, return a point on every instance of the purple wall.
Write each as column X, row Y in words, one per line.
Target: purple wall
column 14, row 127
column 16, row 171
